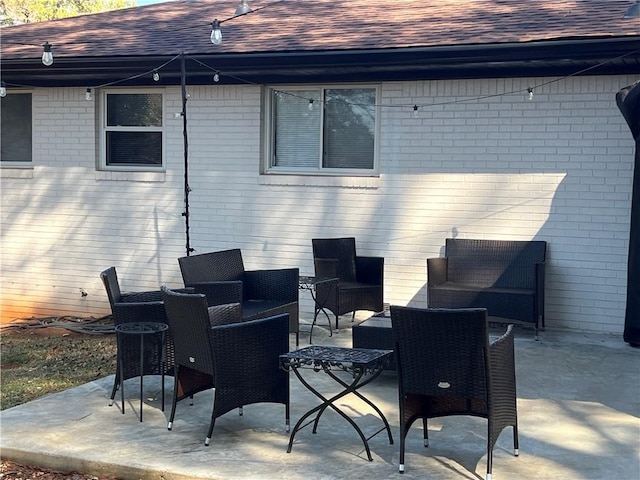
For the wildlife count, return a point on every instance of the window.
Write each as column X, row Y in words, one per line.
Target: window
column 16, row 128
column 132, row 124
column 328, row 130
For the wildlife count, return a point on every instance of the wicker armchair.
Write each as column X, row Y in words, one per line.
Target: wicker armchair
column 137, row 307
column 360, row 279
column 221, row 277
column 447, row 366
column 215, row 348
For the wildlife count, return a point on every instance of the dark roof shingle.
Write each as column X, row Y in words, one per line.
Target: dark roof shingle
column 319, row 25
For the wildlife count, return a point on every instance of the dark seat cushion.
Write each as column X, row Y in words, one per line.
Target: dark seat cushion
column 516, row 303
column 253, row 309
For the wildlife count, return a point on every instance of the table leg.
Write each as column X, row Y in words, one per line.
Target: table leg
column 330, row 402
column 121, row 366
column 316, row 311
column 163, row 361
column 353, row 388
column 141, row 372
column 315, row 316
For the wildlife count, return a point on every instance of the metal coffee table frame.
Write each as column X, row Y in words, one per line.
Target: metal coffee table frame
column 364, row 365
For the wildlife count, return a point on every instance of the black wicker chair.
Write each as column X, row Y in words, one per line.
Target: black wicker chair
column 361, row 279
column 263, row 293
column 215, row 348
column 447, row 366
column 129, row 307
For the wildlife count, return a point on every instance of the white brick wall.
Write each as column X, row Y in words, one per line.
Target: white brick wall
column 557, row 168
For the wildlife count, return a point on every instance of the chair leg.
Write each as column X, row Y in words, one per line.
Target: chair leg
column 207, row 440
column 175, row 397
column 516, row 452
column 116, row 382
column 425, row 432
column 403, row 434
column 353, row 316
column 287, row 417
column 489, row 459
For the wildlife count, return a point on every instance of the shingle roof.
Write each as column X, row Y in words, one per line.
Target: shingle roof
column 305, row 25
column 330, row 40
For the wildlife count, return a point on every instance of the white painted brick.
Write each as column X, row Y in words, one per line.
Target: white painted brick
column 557, row 168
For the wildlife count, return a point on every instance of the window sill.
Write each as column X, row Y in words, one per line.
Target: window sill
column 320, row 181
column 16, row 171
column 122, row 176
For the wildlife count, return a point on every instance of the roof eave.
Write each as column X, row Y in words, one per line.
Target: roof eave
column 610, row 55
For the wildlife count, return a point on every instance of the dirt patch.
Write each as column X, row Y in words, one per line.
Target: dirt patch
column 14, row 471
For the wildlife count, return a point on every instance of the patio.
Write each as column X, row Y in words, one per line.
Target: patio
column 578, row 405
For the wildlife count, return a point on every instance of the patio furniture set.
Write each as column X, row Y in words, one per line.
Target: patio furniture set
column 228, row 330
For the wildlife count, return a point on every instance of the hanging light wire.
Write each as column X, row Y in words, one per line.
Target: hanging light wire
column 242, row 9
column 218, row 72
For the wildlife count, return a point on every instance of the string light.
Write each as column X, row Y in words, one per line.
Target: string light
column 47, row 55
column 87, row 94
column 156, row 76
column 3, row 90
column 242, row 9
column 310, row 104
column 216, row 77
column 216, row 32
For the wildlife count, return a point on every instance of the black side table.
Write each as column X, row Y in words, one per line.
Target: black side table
column 363, row 364
column 141, row 329
column 309, row 284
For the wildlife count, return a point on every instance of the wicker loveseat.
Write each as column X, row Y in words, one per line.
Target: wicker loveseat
column 221, row 276
column 506, row 277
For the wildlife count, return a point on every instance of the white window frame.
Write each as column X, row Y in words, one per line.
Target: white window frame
column 104, row 128
column 24, row 163
column 269, row 132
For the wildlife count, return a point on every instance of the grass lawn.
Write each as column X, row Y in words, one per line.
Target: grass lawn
column 37, row 360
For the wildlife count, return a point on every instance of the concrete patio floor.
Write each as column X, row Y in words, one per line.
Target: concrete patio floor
column 578, row 406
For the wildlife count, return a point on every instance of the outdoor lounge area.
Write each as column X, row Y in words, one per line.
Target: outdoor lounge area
column 578, row 418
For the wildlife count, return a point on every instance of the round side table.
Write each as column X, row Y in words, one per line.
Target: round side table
column 142, row 330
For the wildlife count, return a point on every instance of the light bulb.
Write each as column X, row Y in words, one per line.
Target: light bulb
column 47, row 56
column 87, row 94
column 216, row 32
column 156, row 76
column 3, row 90
column 242, row 8
column 530, row 90
column 310, row 104
column 216, row 77
column 416, row 114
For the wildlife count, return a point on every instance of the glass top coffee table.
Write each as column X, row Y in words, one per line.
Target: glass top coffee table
column 363, row 365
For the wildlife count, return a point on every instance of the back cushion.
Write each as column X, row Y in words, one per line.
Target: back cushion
column 342, row 249
column 494, row 263
column 212, row 267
